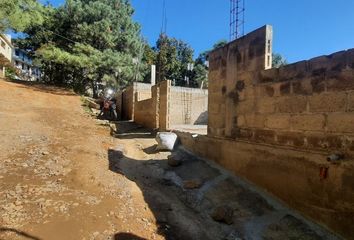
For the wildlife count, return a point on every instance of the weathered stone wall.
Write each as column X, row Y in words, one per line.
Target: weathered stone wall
column 276, row 127
column 188, row 106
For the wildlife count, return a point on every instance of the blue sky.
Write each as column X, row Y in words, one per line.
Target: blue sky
column 302, row 29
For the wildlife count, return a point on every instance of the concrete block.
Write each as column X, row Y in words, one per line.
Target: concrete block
column 325, row 141
column 264, row 136
column 303, row 87
column 248, row 93
column 340, row 81
column 328, row 102
column 338, row 61
column 295, row 139
column 340, row 122
column 278, row 121
column 254, row 120
column 216, row 120
column 266, row 105
column 214, row 107
column 292, row 104
column 292, row 71
column 334, row 62
column 276, row 87
column 319, row 64
column 265, row 90
column 245, row 107
column 351, row 101
column 308, row 122
column 285, row 88
column 318, row 84
column 267, row 76
column 246, row 134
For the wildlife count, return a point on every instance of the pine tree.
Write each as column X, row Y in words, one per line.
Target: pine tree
column 88, row 41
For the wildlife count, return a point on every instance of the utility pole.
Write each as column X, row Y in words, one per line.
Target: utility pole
column 237, row 19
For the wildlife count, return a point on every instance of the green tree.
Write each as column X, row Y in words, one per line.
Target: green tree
column 278, row 60
column 220, row 43
column 200, row 71
column 17, row 15
column 201, row 75
column 172, row 59
column 89, row 41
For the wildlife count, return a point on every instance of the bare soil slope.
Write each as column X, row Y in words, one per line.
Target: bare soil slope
column 55, row 181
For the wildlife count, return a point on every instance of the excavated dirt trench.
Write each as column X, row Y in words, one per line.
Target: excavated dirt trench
column 62, row 176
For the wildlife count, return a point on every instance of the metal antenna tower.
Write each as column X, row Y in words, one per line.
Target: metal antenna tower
column 164, row 18
column 237, row 19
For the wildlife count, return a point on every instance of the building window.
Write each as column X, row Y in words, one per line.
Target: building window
column 3, row 44
column 17, row 53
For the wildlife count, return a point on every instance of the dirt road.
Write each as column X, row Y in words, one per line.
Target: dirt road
column 63, row 176
column 55, row 181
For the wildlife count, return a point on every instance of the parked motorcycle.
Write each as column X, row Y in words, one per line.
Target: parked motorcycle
column 108, row 105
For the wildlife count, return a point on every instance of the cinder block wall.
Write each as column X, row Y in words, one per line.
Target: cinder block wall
column 309, row 104
column 146, row 112
column 128, row 98
column 188, row 106
column 276, row 127
column 162, row 106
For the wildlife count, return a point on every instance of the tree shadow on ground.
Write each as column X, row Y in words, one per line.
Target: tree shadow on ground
column 183, row 212
column 131, row 130
column 127, row 236
column 41, row 87
column 173, row 219
column 202, row 119
column 18, row 233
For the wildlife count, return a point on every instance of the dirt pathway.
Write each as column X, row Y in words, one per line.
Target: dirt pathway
column 54, row 176
column 62, row 176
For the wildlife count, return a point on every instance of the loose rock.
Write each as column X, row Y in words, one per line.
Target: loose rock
column 223, row 214
column 174, row 160
column 192, row 184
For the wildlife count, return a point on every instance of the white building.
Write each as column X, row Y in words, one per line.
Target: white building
column 5, row 53
column 24, row 63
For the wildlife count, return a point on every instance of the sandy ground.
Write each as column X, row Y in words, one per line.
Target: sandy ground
column 63, row 176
